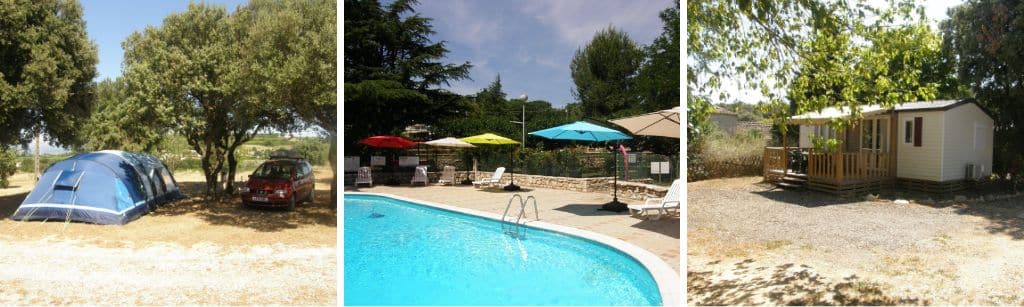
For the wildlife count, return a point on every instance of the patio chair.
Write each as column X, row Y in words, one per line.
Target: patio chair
column 662, row 205
column 364, row 176
column 420, row 175
column 447, row 175
column 495, row 179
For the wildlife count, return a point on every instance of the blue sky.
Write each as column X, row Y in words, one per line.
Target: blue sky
column 110, row 22
column 531, row 42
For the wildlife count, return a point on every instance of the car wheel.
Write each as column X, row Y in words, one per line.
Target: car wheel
column 312, row 196
column 291, row 203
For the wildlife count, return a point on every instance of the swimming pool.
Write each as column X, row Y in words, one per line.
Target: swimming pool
column 400, row 252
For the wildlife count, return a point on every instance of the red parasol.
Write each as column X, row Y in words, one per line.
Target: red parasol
column 387, row 141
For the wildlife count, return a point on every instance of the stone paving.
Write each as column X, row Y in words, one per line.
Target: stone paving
column 566, row 208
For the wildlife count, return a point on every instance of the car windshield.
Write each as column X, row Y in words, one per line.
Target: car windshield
column 274, row 171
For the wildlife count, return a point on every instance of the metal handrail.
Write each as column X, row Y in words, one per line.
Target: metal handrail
column 515, row 228
column 507, row 206
column 536, row 215
column 522, row 212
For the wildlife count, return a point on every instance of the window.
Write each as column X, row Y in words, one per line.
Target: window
column 867, row 134
column 883, row 135
column 824, row 131
column 908, row 132
column 917, row 131
column 306, row 170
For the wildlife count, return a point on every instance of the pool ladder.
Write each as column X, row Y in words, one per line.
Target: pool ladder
column 515, row 229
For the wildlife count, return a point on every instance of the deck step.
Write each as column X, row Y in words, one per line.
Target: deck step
column 794, row 180
column 797, row 175
column 791, row 186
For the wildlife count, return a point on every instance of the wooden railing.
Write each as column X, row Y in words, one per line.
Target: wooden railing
column 774, row 160
column 848, row 166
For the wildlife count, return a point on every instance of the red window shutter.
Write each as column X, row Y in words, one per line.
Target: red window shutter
column 917, row 131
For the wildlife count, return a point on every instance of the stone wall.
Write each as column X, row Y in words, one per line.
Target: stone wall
column 630, row 190
column 627, row 190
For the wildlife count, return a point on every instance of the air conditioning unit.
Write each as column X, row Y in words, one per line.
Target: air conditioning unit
column 970, row 173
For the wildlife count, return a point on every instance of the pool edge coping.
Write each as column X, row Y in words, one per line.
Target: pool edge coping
column 667, row 279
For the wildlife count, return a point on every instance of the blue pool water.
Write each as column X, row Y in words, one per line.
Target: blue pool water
column 401, row 253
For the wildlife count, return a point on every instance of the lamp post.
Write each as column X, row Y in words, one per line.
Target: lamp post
column 512, row 185
column 524, row 98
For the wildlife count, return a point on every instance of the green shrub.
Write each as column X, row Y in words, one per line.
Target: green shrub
column 45, row 161
column 724, row 155
column 8, row 165
column 314, row 150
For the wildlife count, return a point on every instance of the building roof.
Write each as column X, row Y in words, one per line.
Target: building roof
column 834, row 112
column 721, row 110
column 929, row 105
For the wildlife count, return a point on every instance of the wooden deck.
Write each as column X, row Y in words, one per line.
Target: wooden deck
column 845, row 173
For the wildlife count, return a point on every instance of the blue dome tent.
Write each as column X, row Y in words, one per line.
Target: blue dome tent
column 103, row 187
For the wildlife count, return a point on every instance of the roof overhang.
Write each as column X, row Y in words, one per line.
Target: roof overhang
column 827, row 114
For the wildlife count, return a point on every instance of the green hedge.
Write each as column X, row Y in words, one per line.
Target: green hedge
column 8, row 165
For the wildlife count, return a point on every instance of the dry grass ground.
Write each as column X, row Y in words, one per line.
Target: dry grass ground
column 186, row 252
column 751, row 244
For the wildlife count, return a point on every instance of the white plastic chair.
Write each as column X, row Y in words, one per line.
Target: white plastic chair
column 447, row 175
column 662, row 205
column 495, row 179
column 364, row 176
column 420, row 175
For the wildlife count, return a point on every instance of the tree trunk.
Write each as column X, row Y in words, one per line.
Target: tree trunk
column 213, row 164
column 35, row 159
column 211, row 176
column 232, row 164
column 234, row 140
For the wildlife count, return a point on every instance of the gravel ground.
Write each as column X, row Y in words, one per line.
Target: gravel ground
column 751, row 244
column 186, row 252
column 47, row 272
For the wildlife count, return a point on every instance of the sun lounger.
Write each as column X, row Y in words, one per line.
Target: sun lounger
column 447, row 175
column 662, row 205
column 420, row 175
column 364, row 176
column 495, row 179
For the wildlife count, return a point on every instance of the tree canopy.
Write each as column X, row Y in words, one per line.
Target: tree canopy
column 46, row 72
column 804, row 56
column 980, row 42
column 112, row 126
column 657, row 82
column 393, row 69
column 604, row 72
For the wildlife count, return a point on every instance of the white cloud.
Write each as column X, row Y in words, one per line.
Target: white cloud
column 526, row 57
column 576, row 21
column 466, row 22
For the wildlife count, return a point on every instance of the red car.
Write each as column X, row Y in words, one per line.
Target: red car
column 280, row 183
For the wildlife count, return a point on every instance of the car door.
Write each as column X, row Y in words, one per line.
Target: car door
column 308, row 183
